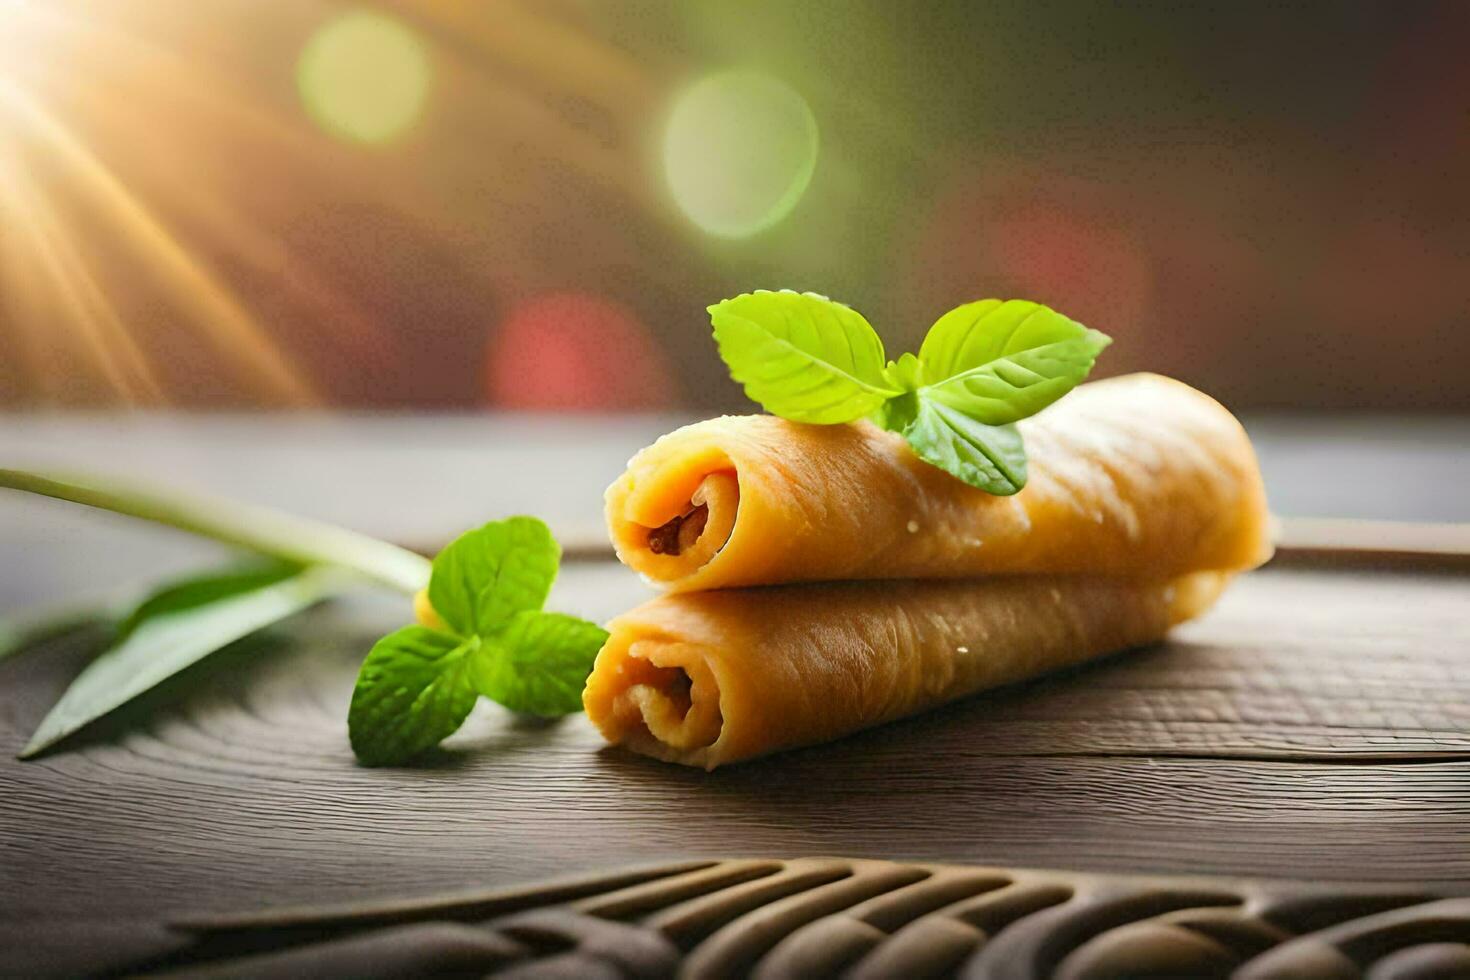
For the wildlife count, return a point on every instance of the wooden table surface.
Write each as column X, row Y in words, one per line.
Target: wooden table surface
column 1317, row 724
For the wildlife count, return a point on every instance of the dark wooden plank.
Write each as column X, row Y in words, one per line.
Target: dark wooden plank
column 243, row 792
column 1293, row 663
column 1314, row 725
column 235, row 803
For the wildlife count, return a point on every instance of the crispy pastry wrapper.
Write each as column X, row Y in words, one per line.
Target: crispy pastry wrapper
column 1140, row 477
column 711, row 678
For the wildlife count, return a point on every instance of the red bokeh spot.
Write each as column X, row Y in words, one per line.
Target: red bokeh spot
column 1021, row 232
column 576, row 352
column 1082, row 267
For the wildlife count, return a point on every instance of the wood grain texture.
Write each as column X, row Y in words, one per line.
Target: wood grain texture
column 812, row 918
column 1315, row 725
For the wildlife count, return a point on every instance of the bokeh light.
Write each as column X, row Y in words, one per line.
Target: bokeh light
column 739, row 152
column 268, row 203
column 1095, row 270
column 1028, row 232
column 577, row 351
column 364, row 76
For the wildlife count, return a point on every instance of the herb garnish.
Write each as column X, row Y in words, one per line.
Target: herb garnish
column 487, row 588
column 181, row 623
column 487, row 635
column 982, row 367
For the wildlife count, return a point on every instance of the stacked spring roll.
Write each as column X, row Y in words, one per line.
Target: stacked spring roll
column 1144, row 498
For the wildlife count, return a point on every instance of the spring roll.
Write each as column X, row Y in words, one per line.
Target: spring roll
column 709, row 678
column 1138, row 477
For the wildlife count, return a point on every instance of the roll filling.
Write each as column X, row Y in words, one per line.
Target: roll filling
column 667, row 699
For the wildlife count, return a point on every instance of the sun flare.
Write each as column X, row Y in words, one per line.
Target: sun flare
column 77, row 230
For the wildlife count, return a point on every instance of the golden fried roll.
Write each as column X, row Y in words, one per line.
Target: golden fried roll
column 1139, row 476
column 708, row 678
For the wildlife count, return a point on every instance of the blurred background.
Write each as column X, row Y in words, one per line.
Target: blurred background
column 527, row 204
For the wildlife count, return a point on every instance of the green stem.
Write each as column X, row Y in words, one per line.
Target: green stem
column 270, row 532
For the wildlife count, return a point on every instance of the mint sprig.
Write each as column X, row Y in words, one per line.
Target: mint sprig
column 982, row 367
column 486, row 634
column 418, row 684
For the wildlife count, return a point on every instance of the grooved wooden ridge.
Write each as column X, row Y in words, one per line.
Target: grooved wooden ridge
column 831, row 917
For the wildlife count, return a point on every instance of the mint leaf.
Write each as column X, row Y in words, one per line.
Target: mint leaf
column 413, row 691
column 538, row 663
column 418, row 685
column 992, row 458
column 802, row 356
column 999, row 362
column 171, row 638
column 486, row 576
column 982, row 367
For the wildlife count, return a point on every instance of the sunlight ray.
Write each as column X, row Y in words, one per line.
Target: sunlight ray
column 20, row 306
column 118, row 356
column 221, row 220
column 228, row 323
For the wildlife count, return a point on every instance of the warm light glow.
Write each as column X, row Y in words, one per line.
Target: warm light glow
column 364, row 77
column 739, row 152
column 62, row 203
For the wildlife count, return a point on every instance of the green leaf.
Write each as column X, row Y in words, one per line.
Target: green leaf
column 201, row 590
column 163, row 644
column 802, row 356
column 538, row 663
column 414, row 691
column 906, row 373
column 992, row 458
column 999, row 362
column 118, row 621
column 488, row 575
